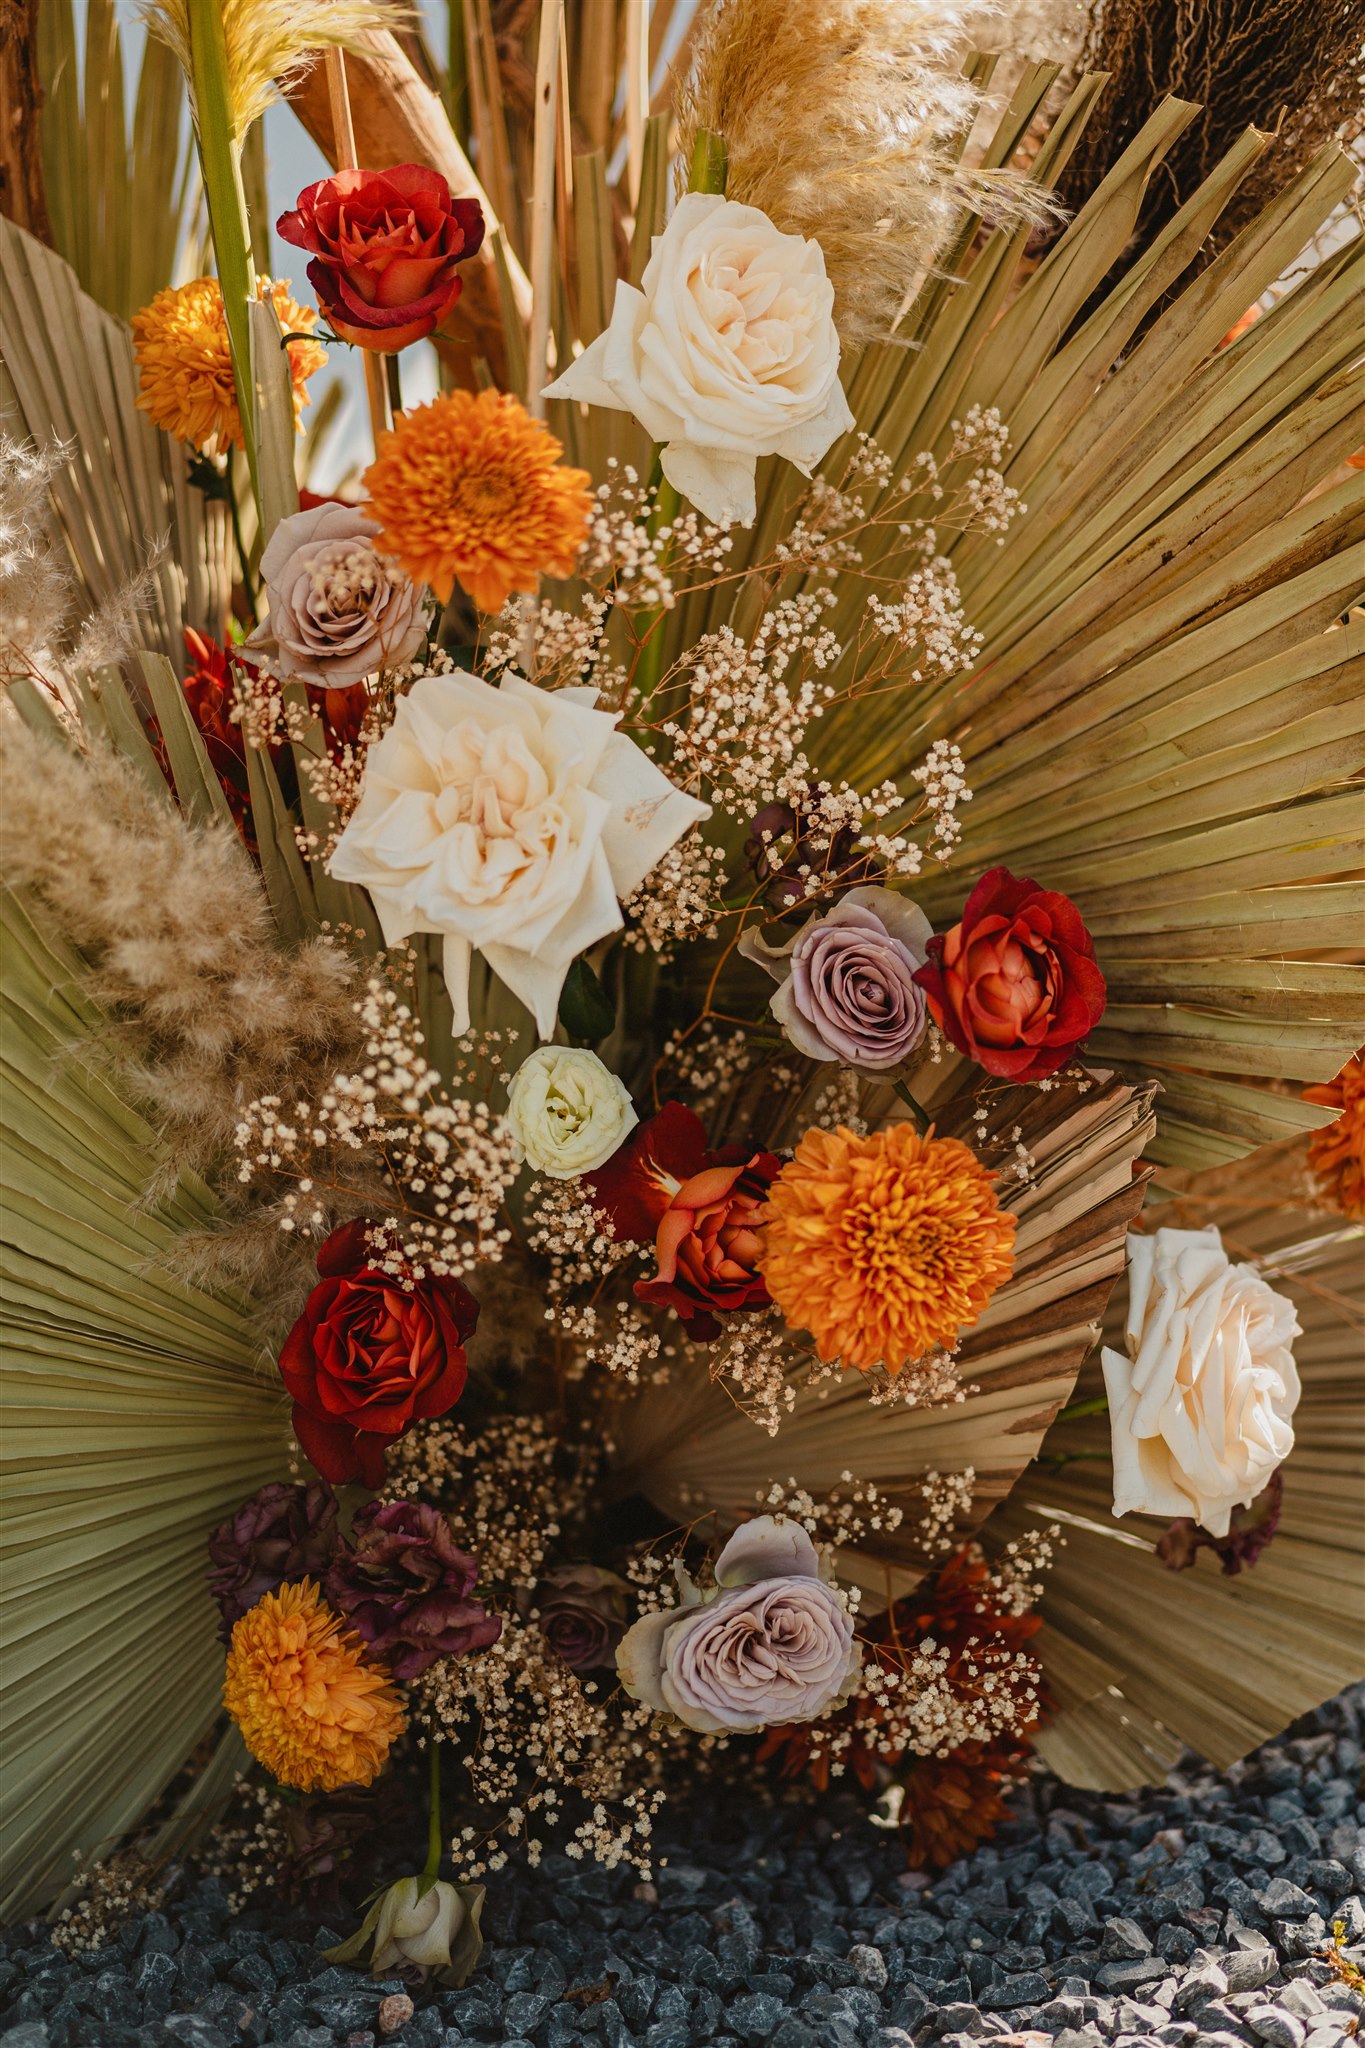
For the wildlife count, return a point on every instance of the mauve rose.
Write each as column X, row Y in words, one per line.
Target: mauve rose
column 339, row 610
column 407, row 1588
column 1014, row 984
column 582, row 1610
column 282, row 1534
column 371, row 1355
column 385, row 245
column 773, row 1644
column 846, row 981
column 703, row 1210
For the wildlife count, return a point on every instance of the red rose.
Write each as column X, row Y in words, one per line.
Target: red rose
column 369, row 1357
column 385, row 245
column 704, row 1212
column 1014, row 984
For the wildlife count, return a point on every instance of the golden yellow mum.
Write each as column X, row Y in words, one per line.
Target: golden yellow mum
column 185, row 364
column 471, row 489
column 309, row 1706
column 884, row 1247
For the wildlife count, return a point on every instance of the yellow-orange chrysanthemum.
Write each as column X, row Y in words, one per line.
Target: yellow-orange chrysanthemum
column 884, row 1247
column 471, row 489
column 309, row 1706
column 1336, row 1153
column 185, row 364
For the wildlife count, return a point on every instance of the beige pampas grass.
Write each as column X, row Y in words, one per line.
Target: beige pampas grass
column 270, row 42
column 844, row 121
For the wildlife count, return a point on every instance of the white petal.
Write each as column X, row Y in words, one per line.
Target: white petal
column 455, row 957
column 648, row 812
column 720, row 486
column 769, row 1547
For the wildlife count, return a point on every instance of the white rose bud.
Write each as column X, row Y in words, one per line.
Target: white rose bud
column 568, row 1112
column 1200, row 1405
column 728, row 351
column 417, row 1928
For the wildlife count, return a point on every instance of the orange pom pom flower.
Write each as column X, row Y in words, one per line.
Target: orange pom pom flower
column 471, row 489
column 886, row 1246
column 1336, row 1153
column 185, row 364
column 309, row 1705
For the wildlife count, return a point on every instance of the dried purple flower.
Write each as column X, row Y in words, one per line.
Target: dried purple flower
column 282, row 1534
column 405, row 1587
column 582, row 1614
column 1249, row 1530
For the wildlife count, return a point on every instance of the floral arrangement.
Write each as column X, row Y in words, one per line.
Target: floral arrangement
column 651, row 1116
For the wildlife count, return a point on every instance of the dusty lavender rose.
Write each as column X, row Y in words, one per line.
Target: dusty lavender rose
column 774, row 1643
column 339, row 610
column 846, row 988
column 282, row 1534
column 582, row 1613
column 407, row 1588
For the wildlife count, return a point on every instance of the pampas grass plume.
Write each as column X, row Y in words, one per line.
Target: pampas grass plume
column 270, row 42
column 843, row 121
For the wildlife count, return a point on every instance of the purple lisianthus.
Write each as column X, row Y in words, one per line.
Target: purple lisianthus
column 582, row 1614
column 282, row 1534
column 846, row 988
column 407, row 1588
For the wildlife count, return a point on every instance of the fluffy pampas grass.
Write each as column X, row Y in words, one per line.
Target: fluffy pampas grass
column 844, row 120
column 270, row 42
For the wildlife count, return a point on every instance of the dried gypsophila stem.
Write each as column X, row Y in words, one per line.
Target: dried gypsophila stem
column 848, row 1513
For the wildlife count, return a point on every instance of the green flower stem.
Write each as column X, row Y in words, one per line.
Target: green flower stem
column 435, row 1845
column 220, row 163
column 923, row 1122
column 710, row 168
column 395, row 385
column 1079, row 1409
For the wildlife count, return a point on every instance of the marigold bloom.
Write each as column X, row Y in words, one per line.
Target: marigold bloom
column 185, row 364
column 886, row 1246
column 1336, row 1153
column 471, row 489
column 309, row 1706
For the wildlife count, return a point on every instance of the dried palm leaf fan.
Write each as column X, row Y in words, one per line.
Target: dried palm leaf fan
column 1141, row 1660
column 134, row 1418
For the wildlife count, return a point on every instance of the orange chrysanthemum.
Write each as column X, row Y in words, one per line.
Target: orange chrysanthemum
column 886, row 1246
column 1336, row 1153
column 471, row 489
column 309, row 1706
column 185, row 364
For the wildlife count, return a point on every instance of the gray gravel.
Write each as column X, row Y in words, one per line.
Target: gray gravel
column 1192, row 1916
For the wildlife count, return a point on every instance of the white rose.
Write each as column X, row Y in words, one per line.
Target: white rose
column 727, row 352
column 567, row 1111
column 1199, row 1408
column 510, row 820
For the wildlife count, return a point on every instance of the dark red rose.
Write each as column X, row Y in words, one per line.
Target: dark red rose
column 281, row 1535
column 371, row 1355
column 703, row 1211
column 407, row 1588
column 1250, row 1529
column 582, row 1614
column 1014, row 984
column 385, row 245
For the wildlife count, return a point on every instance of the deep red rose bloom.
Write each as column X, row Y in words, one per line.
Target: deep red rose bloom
column 385, row 245
column 703, row 1211
column 369, row 1357
column 1014, row 984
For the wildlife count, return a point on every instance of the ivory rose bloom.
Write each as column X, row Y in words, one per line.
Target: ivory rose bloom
column 419, row 1930
column 568, row 1112
column 1200, row 1405
column 728, row 351
column 510, row 820
column 772, row 1644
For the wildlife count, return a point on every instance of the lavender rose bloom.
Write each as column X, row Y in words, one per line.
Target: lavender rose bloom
column 582, row 1609
column 846, row 988
column 772, row 1644
column 339, row 610
column 406, row 1588
column 281, row 1535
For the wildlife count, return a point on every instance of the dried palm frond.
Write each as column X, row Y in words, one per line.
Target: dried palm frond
column 844, row 122
column 134, row 1418
column 1141, row 1660
column 268, row 42
column 67, row 376
column 689, row 1450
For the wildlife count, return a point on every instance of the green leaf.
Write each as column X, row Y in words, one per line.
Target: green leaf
column 585, row 1009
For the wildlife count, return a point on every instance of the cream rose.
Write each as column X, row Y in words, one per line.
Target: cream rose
column 339, row 610
column 510, row 820
column 567, row 1111
column 1200, row 1405
column 773, row 1643
column 419, row 1929
column 728, row 351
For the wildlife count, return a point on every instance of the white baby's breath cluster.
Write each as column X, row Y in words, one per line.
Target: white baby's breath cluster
column 753, row 1361
column 1016, row 1573
column 850, row 1512
column 677, row 902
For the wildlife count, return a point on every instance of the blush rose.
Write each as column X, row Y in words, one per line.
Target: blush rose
column 339, row 610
